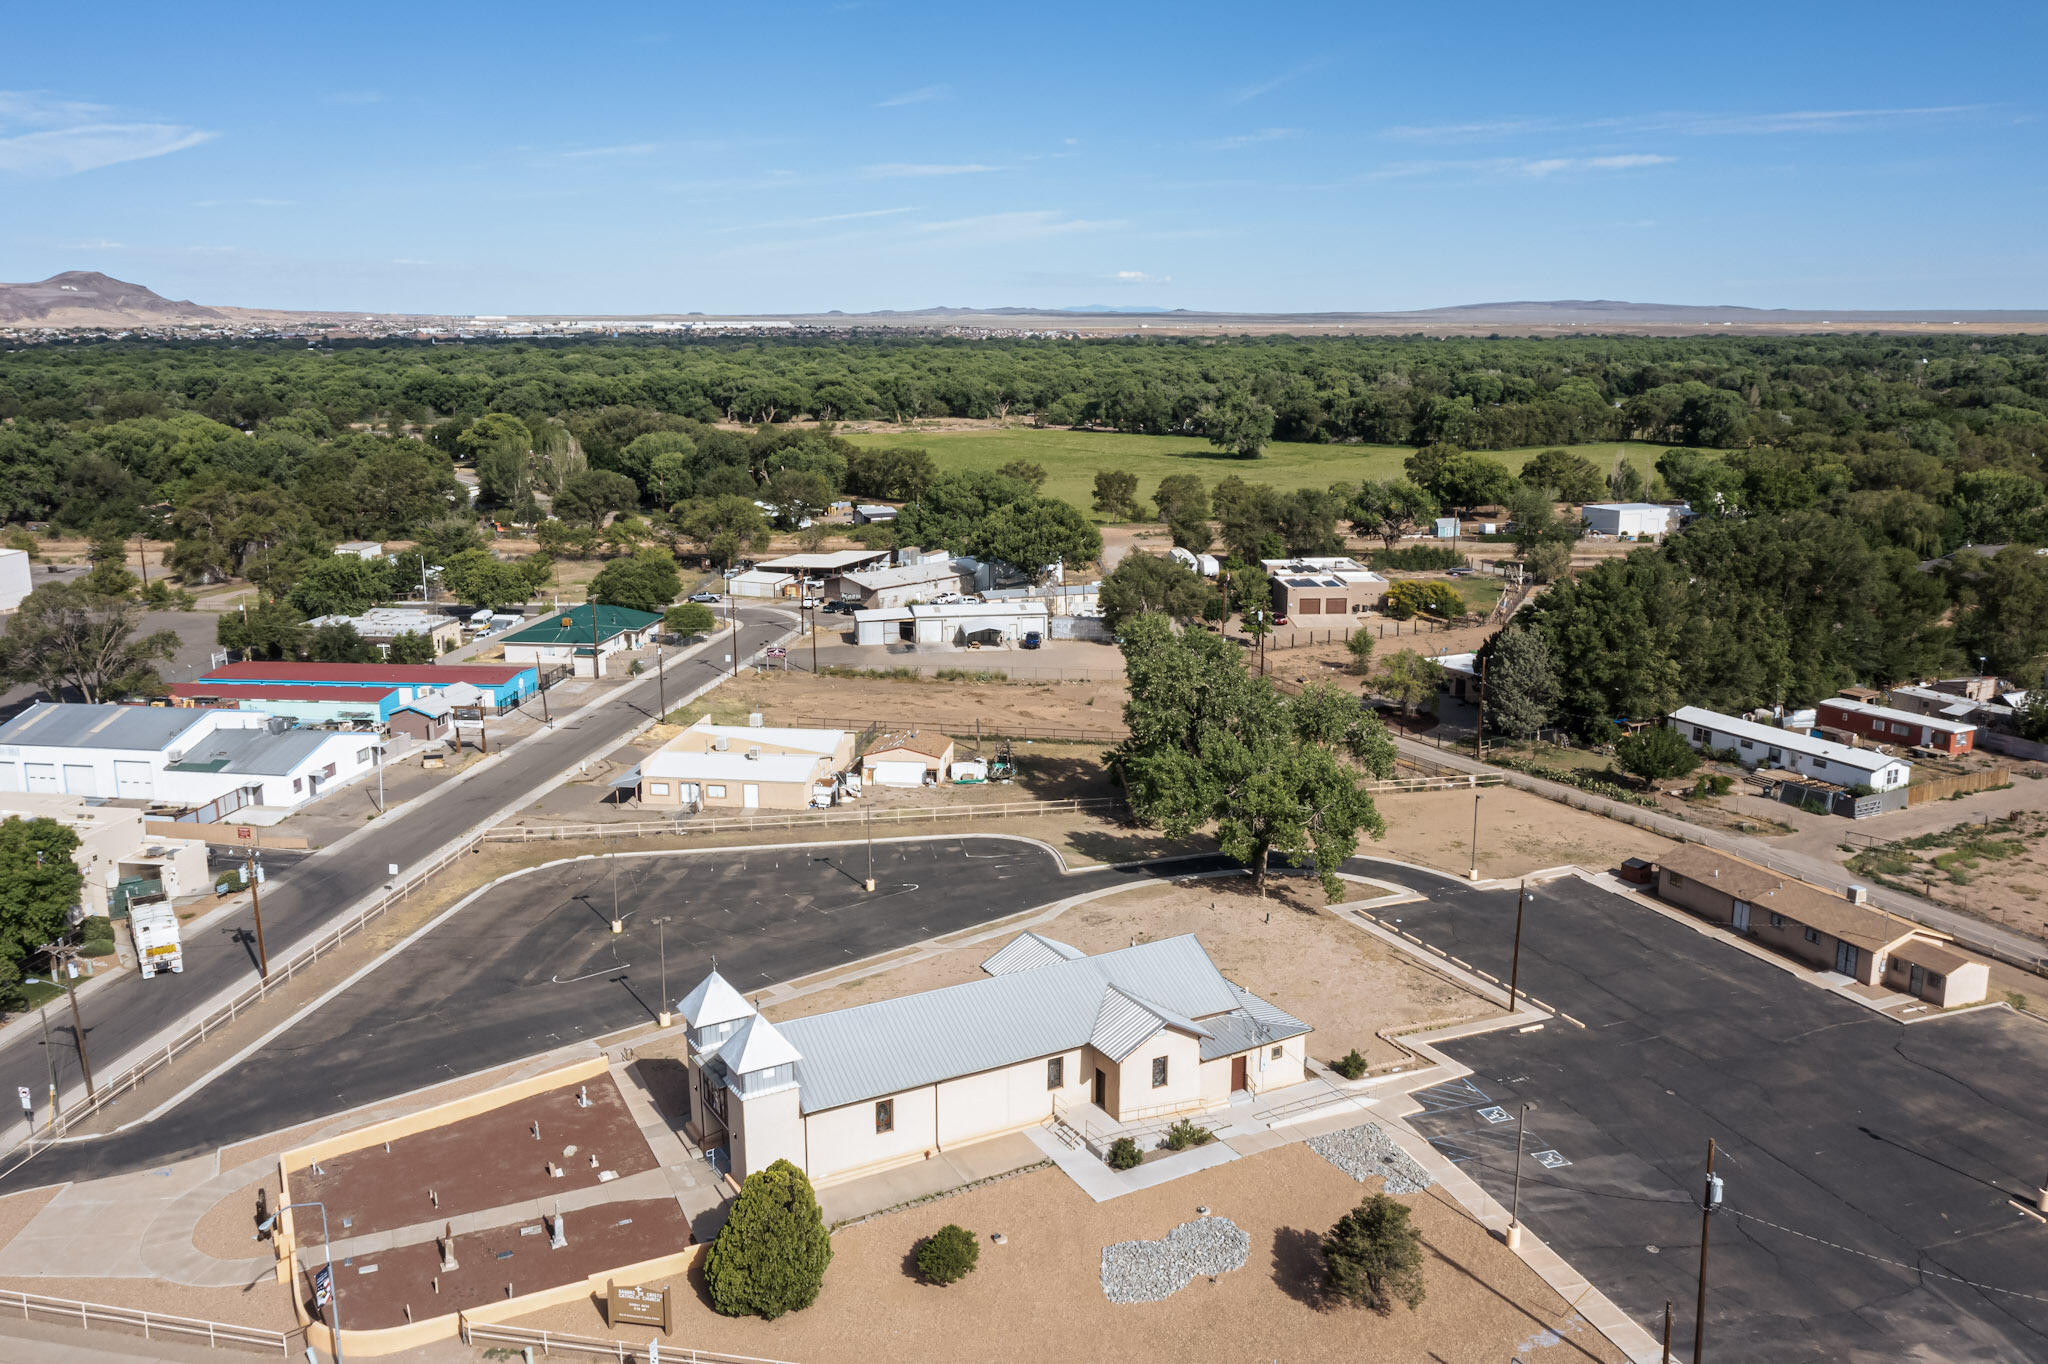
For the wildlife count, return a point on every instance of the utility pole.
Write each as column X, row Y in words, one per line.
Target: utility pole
column 661, row 940
column 1474, row 874
column 733, row 616
column 1479, row 723
column 1224, row 627
column 50, row 1056
column 1515, row 969
column 256, row 902
column 594, row 669
column 61, row 957
column 142, row 556
column 1710, row 1202
column 814, row 636
column 1667, row 1331
column 660, row 682
column 1514, row 1236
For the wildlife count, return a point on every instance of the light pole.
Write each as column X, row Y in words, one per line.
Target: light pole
column 661, row 940
column 333, row 1297
column 733, row 615
column 869, row 885
column 1474, row 874
column 1514, row 1236
column 256, row 903
column 660, row 682
column 380, row 776
column 1515, row 966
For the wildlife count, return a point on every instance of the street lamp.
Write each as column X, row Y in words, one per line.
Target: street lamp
column 1515, row 966
column 1514, row 1236
column 326, row 1245
column 1474, row 874
column 661, row 939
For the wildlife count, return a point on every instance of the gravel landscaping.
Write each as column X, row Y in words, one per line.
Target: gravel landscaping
column 1365, row 1151
column 1146, row 1271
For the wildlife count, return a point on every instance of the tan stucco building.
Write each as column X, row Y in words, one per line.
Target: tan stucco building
column 116, row 853
column 1134, row 1035
column 1826, row 931
column 909, row 759
column 745, row 767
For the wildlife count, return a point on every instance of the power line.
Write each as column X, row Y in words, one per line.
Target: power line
column 1899, row 1264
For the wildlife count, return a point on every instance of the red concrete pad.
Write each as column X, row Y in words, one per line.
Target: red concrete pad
column 474, row 1164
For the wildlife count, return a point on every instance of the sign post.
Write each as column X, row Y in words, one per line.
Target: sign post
column 323, row 1287
column 28, row 1105
column 630, row 1306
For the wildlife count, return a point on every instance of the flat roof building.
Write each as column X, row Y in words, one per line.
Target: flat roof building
column 1633, row 518
column 381, row 625
column 505, row 683
column 1888, row 725
column 301, row 703
column 1312, row 590
column 745, row 767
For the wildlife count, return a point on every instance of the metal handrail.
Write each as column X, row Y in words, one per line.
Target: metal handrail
column 153, row 1325
column 478, row 1332
column 798, row 819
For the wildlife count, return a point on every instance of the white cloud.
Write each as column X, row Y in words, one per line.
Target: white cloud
column 1519, row 167
column 1688, row 124
column 1228, row 144
column 861, row 216
column 1247, row 93
column 924, row 94
column 1139, row 277
column 907, row 170
column 1019, row 225
column 623, row 149
column 66, row 137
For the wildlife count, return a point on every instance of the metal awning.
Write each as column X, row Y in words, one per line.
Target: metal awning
column 630, row 777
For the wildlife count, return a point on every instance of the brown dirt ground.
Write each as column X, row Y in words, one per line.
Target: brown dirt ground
column 1518, row 833
column 799, row 698
column 1346, row 983
column 18, row 1210
column 266, row 1303
column 1482, row 1302
column 228, row 1229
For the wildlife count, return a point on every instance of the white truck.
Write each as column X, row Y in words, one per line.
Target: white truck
column 157, row 945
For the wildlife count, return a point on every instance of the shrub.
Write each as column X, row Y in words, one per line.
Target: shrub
column 94, row 928
column 1124, row 1155
column 1712, row 784
column 1418, row 559
column 770, row 1256
column 96, row 948
column 1352, row 1067
column 1409, row 598
column 1655, row 755
column 1373, row 1257
column 1184, row 1134
column 948, row 1255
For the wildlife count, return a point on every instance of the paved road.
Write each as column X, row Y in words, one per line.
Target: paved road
column 533, row 965
column 1901, row 1142
column 1986, row 936
column 128, row 1014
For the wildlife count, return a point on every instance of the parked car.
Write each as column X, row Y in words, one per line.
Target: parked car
column 844, row 608
column 708, row 598
column 1032, row 640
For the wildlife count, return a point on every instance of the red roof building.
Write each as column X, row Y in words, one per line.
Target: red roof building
column 372, row 674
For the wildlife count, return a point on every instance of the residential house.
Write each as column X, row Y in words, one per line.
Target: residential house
column 582, row 637
column 1886, row 725
column 1828, row 932
column 1134, row 1035
column 1766, row 746
column 911, row 759
column 361, row 549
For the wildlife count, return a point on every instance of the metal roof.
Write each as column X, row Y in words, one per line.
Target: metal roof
column 904, row 575
column 734, row 766
column 573, row 625
column 1027, row 951
column 372, row 674
column 896, row 1044
column 757, row 1046
column 1862, row 759
column 63, row 724
column 825, row 559
column 280, row 691
column 258, row 752
column 825, row 741
column 711, row 1003
column 1935, row 723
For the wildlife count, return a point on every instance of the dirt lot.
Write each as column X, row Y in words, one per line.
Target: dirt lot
column 1483, row 1304
column 1995, row 869
column 799, row 698
column 1518, row 832
column 1346, row 983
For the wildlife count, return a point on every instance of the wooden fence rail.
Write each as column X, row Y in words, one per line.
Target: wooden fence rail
column 89, row 1316
column 547, row 1344
column 1940, row 788
column 804, row 819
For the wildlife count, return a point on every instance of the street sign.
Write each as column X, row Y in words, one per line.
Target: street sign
column 244, row 833
column 323, row 1287
column 631, row 1306
column 28, row 1102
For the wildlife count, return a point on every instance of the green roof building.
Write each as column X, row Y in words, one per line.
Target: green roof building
column 569, row 636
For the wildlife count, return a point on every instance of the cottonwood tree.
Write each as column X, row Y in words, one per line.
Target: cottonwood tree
column 590, row 495
column 1656, row 754
column 1409, row 680
column 1387, row 511
column 1150, row 582
column 39, row 886
column 64, row 636
column 647, row 581
column 1564, row 475
column 1116, row 494
column 1035, row 532
column 1239, row 423
column 1211, row 744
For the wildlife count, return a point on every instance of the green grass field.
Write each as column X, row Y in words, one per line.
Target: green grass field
column 1071, row 459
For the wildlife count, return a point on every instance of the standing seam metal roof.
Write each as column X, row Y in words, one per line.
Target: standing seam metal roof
column 61, row 724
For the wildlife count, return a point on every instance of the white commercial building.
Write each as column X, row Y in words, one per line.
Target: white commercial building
column 761, row 582
column 210, row 761
column 1632, row 518
column 14, row 578
column 1051, row 1034
column 1766, row 746
column 743, row 767
column 361, row 549
column 118, row 857
column 907, row 583
column 967, row 622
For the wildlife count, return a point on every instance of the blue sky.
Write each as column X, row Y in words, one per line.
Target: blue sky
column 774, row 156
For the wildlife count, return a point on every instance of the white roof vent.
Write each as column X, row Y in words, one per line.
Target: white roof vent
column 719, row 743
column 754, row 720
column 754, row 754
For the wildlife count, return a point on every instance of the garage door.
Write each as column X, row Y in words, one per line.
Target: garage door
column 81, row 780
column 899, row 774
column 42, row 777
column 131, row 780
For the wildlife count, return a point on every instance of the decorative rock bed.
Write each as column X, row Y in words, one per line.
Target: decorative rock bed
column 1365, row 1151
column 1147, row 1271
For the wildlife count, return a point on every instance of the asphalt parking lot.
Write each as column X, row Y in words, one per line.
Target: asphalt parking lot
column 532, row 965
column 1869, row 1165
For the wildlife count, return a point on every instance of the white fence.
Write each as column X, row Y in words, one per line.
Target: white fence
column 547, row 1344
column 89, row 1316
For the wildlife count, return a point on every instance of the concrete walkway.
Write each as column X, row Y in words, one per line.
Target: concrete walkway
column 1969, row 932
column 946, row 1172
column 138, row 1226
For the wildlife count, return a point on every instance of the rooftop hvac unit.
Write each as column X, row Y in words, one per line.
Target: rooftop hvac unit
column 754, row 720
column 277, row 724
column 754, row 754
column 719, row 743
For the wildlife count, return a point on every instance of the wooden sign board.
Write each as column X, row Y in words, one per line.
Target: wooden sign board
column 631, row 1306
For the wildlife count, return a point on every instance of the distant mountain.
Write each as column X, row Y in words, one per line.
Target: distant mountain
column 1115, row 308
column 87, row 298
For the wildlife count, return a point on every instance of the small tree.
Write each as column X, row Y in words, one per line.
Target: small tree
column 1360, row 647
column 770, row 1256
column 1351, row 1066
column 1116, row 494
column 1124, row 1155
column 411, row 647
column 1373, row 1257
column 691, row 618
column 949, row 1254
column 1409, row 680
column 1655, row 755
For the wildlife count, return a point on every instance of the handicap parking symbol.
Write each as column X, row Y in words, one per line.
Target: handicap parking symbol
column 1550, row 1160
column 1494, row 1114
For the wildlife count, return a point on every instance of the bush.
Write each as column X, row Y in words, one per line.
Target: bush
column 1410, row 598
column 1184, row 1134
column 1124, row 1155
column 1373, row 1257
column 879, row 536
column 96, row 947
column 1418, row 559
column 1351, row 1067
column 94, row 928
column 948, row 1255
column 1655, row 755
column 1712, row 784
column 770, row 1256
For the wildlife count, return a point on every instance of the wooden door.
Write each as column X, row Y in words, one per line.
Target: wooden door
column 1238, row 1076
